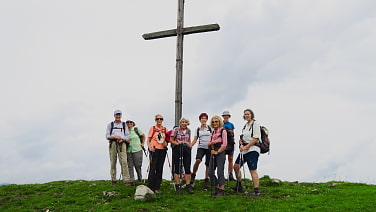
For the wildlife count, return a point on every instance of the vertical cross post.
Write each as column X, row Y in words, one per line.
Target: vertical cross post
column 179, row 63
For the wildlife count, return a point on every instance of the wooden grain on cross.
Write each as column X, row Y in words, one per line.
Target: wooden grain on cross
column 179, row 32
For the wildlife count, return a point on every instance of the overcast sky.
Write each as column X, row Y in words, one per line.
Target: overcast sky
column 306, row 68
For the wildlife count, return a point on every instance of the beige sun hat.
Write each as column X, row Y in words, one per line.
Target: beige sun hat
column 226, row 113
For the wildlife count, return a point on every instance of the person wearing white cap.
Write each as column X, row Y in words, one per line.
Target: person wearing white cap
column 231, row 143
column 117, row 134
column 134, row 150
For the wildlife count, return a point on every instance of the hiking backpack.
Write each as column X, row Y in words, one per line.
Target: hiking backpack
column 265, row 142
column 230, row 137
column 198, row 129
column 112, row 127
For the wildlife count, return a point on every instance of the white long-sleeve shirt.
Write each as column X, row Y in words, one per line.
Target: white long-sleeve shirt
column 117, row 131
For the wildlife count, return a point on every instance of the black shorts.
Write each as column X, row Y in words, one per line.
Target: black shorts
column 230, row 149
column 201, row 152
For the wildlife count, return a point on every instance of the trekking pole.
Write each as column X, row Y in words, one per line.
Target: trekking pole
column 169, row 165
column 181, row 164
column 148, row 169
column 168, row 160
column 119, row 145
column 143, row 148
column 240, row 164
column 212, row 171
column 242, row 156
column 237, row 174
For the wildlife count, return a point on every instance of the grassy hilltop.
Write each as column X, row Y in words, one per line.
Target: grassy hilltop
column 83, row 195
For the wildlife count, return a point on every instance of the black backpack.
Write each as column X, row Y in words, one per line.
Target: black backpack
column 112, row 127
column 230, row 135
column 265, row 142
column 230, row 138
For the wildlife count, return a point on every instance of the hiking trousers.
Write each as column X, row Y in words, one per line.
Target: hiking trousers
column 217, row 162
column 156, row 169
column 134, row 161
column 119, row 150
column 181, row 157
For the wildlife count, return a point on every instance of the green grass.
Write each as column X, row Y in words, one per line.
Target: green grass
column 83, row 195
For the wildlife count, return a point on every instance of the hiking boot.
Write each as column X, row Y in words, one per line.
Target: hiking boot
column 193, row 177
column 256, row 191
column 220, row 192
column 214, row 192
column 256, row 194
column 129, row 184
column 231, row 178
column 206, row 183
column 190, row 189
column 178, row 188
column 238, row 187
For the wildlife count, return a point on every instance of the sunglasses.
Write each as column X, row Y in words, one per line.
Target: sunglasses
column 159, row 119
column 129, row 122
column 214, row 122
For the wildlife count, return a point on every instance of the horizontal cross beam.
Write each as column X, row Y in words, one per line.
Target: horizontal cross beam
column 186, row 31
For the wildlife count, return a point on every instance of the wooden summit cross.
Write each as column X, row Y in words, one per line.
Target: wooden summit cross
column 180, row 31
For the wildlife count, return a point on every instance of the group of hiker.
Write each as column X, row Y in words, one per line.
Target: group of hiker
column 215, row 140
